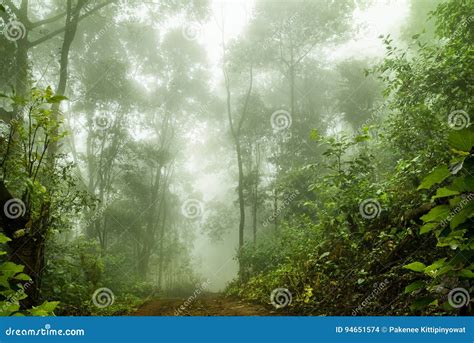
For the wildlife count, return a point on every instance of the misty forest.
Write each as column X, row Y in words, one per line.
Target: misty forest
column 260, row 157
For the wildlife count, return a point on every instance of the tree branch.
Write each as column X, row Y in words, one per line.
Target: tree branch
column 55, row 33
column 46, row 21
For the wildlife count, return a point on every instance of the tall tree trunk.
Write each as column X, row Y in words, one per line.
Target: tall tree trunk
column 241, row 192
column 72, row 20
column 292, row 81
column 275, row 208
column 255, row 192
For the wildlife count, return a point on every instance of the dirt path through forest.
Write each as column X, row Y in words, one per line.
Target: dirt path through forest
column 205, row 305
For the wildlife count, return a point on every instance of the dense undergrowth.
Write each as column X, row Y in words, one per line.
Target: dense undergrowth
column 389, row 228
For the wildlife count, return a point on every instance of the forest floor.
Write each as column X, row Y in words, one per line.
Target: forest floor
column 205, row 305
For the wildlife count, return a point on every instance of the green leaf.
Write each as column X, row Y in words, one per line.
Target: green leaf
column 56, row 99
column 466, row 211
column 462, row 140
column 2, row 8
column 415, row 266
column 463, row 184
column 48, row 306
column 3, row 238
column 11, row 267
column 314, row 135
column 45, row 309
column 422, row 303
column 22, row 276
column 431, row 270
column 414, row 286
column 466, row 273
column 324, row 254
column 439, row 174
column 436, row 214
column 444, row 192
column 427, row 228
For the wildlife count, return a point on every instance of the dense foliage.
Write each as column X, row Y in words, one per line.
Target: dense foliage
column 134, row 163
column 393, row 203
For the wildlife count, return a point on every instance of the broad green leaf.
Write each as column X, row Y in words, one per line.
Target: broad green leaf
column 466, row 273
column 56, row 98
column 11, row 267
column 431, row 270
column 48, row 306
column 415, row 266
column 436, row 214
column 414, row 286
column 463, row 184
column 4, row 239
column 439, row 174
column 444, row 192
column 462, row 140
column 22, row 276
column 428, row 227
column 464, row 213
column 422, row 303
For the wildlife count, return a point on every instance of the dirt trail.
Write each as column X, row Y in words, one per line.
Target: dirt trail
column 205, row 305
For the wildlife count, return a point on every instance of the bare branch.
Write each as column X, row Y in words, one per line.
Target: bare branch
column 55, row 33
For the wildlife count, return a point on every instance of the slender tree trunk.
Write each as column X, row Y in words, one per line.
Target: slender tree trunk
column 275, row 208
column 292, row 82
column 241, row 192
column 162, row 238
column 72, row 20
column 255, row 192
column 21, row 57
